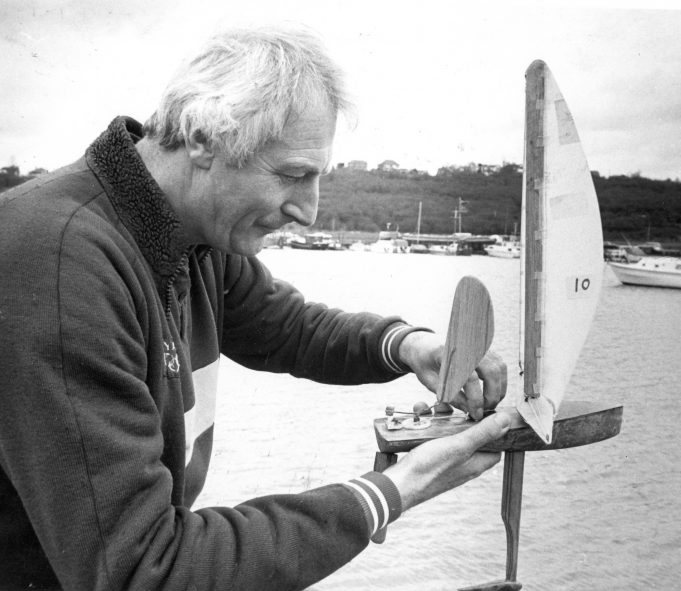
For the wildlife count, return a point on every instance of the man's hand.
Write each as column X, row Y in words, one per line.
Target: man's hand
column 442, row 464
column 422, row 351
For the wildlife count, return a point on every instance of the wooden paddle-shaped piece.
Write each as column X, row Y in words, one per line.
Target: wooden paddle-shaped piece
column 511, row 501
column 471, row 329
column 470, row 333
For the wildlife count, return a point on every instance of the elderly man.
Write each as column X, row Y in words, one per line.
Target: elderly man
column 125, row 276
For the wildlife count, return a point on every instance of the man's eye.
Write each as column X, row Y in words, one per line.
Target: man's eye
column 288, row 178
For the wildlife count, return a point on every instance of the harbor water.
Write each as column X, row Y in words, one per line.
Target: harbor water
column 601, row 517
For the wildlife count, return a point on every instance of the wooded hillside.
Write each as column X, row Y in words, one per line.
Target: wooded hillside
column 632, row 208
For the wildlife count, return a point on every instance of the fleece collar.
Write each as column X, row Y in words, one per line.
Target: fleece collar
column 136, row 196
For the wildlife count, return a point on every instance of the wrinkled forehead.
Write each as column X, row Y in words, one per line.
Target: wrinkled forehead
column 306, row 140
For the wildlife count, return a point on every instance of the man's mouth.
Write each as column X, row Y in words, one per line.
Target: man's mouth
column 267, row 228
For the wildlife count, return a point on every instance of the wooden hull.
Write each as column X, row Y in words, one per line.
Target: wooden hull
column 577, row 423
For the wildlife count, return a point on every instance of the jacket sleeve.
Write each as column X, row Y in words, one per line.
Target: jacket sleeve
column 269, row 326
column 81, row 441
column 292, row 541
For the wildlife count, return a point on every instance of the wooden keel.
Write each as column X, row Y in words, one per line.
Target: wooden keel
column 494, row 586
column 511, row 505
column 511, row 502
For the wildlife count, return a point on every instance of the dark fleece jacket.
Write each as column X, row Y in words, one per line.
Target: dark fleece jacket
column 111, row 328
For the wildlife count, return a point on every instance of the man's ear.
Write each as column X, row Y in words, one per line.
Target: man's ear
column 199, row 152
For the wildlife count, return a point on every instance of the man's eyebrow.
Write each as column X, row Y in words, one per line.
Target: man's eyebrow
column 307, row 168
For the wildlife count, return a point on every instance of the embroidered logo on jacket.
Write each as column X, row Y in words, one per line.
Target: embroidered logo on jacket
column 171, row 359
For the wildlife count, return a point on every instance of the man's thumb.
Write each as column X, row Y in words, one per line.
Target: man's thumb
column 489, row 429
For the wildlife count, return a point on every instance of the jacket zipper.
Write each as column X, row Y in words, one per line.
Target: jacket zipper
column 184, row 260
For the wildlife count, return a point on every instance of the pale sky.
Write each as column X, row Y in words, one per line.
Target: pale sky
column 435, row 82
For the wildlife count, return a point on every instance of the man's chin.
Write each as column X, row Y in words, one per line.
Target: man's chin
column 247, row 248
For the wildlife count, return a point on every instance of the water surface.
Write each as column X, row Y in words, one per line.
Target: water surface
column 600, row 517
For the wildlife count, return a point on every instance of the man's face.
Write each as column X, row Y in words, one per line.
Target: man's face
column 232, row 209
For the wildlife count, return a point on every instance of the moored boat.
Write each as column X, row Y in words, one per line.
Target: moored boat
column 312, row 241
column 358, row 246
column 389, row 242
column 437, row 249
column 650, row 272
column 505, row 250
column 621, row 253
column 458, row 248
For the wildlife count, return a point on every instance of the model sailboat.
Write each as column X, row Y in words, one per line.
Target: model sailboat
column 561, row 276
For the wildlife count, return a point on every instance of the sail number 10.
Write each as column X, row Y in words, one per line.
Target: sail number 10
column 579, row 286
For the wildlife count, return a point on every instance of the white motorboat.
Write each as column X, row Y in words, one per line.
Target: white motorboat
column 650, row 271
column 389, row 242
column 358, row 246
column 506, row 250
column 312, row 241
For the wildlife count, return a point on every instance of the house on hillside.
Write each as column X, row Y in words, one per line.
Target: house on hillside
column 357, row 165
column 388, row 166
column 488, row 169
column 511, row 168
column 11, row 170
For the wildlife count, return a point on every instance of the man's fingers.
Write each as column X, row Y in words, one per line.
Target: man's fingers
column 461, row 402
column 441, row 464
column 485, row 387
column 474, row 397
column 494, row 374
column 483, row 461
column 487, row 430
column 470, row 397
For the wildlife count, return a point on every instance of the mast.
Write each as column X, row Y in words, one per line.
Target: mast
column 533, row 226
column 418, row 224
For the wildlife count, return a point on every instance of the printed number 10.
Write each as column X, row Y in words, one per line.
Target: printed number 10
column 582, row 285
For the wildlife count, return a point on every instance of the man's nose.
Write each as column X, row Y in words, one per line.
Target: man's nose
column 302, row 203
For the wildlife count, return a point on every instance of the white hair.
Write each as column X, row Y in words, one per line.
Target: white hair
column 239, row 92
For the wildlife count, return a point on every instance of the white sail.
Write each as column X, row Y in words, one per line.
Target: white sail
column 562, row 251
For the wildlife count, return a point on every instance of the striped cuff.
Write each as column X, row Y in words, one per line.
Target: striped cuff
column 379, row 498
column 390, row 345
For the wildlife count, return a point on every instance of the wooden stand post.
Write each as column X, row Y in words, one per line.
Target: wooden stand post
column 382, row 461
column 511, row 502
